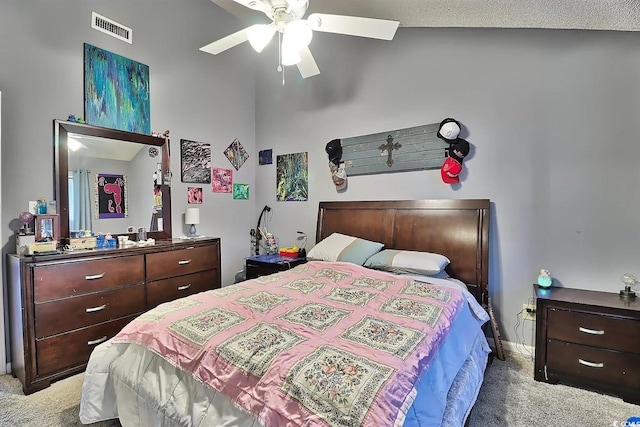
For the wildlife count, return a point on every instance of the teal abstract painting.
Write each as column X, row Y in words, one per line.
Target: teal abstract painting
column 241, row 191
column 116, row 91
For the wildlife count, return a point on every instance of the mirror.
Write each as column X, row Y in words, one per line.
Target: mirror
column 123, row 170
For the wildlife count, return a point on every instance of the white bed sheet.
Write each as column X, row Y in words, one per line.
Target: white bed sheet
column 128, row 382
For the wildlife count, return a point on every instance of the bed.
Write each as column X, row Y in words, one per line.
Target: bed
column 327, row 343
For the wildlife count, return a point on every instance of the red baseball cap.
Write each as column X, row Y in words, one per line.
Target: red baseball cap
column 450, row 170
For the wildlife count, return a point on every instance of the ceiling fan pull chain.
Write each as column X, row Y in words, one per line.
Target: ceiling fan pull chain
column 280, row 67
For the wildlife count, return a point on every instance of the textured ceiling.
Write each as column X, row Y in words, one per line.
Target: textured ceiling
column 623, row 15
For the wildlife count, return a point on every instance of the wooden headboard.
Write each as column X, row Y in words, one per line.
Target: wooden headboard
column 457, row 229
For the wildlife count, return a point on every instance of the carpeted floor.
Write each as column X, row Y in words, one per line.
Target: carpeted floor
column 509, row 397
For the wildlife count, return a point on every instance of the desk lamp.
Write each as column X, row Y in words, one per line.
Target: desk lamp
column 192, row 216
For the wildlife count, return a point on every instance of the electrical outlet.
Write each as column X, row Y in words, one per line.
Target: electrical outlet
column 528, row 312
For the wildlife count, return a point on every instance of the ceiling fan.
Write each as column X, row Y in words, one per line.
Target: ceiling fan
column 295, row 33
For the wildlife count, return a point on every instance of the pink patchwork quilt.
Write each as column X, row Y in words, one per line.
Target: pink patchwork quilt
column 322, row 344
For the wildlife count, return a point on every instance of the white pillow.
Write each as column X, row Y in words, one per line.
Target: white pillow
column 340, row 247
column 412, row 262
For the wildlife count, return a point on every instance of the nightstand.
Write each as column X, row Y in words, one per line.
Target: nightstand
column 588, row 339
column 262, row 265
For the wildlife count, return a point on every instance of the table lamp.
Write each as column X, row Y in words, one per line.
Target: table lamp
column 192, row 216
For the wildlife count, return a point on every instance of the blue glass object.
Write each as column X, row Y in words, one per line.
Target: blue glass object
column 544, row 281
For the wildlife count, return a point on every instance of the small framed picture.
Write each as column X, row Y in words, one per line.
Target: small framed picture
column 47, row 227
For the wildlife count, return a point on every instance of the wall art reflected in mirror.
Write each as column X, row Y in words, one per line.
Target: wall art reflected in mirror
column 108, row 180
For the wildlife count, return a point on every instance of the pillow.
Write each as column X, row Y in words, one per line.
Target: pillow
column 340, row 247
column 412, row 262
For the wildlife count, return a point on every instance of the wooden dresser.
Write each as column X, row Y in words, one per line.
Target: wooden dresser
column 62, row 306
column 588, row 339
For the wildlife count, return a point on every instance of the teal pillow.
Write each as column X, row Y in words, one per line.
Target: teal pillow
column 341, row 247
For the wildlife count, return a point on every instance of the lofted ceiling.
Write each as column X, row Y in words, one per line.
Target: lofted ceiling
column 621, row 15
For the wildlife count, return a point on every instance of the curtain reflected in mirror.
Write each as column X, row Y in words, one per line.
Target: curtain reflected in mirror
column 79, row 200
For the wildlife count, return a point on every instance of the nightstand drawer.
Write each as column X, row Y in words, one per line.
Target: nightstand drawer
column 55, row 317
column 184, row 261
column 593, row 364
column 593, row 329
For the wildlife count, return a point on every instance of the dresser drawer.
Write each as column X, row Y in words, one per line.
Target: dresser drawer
column 55, row 317
column 593, row 364
column 53, row 281
column 183, row 261
column 73, row 349
column 594, row 330
column 177, row 287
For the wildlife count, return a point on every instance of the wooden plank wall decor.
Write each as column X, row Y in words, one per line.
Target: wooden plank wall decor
column 399, row 150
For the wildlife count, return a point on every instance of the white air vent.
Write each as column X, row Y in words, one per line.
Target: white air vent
column 112, row 28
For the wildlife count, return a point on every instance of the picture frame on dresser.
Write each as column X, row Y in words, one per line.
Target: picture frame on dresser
column 47, row 227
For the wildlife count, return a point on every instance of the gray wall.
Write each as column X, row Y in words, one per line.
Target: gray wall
column 552, row 117
column 195, row 95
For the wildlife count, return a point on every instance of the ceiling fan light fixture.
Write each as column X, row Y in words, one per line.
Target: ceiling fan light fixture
column 298, row 34
column 298, row 3
column 290, row 55
column 260, row 35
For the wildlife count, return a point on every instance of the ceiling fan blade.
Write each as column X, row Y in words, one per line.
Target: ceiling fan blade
column 226, row 42
column 252, row 4
column 353, row 25
column 307, row 66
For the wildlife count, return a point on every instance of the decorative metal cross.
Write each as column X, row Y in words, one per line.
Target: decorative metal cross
column 389, row 147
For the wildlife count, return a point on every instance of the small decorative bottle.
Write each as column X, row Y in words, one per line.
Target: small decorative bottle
column 41, row 207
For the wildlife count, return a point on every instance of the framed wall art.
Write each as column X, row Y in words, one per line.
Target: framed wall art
column 116, row 91
column 111, row 196
column 195, row 162
column 221, row 180
column 292, row 177
column 265, row 157
column 241, row 191
column 236, row 154
column 194, row 195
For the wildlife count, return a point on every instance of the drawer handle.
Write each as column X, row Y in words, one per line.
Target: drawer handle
column 95, row 276
column 190, row 247
column 183, row 262
column 590, row 331
column 591, row 364
column 182, row 288
column 94, row 309
column 98, row 341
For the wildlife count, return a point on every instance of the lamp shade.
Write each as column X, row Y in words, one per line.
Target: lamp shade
column 192, row 216
column 260, row 35
column 290, row 56
column 297, row 35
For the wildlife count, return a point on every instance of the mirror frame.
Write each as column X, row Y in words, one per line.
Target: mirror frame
column 61, row 130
